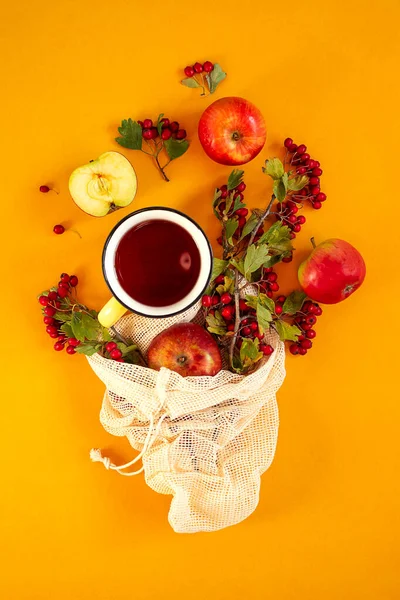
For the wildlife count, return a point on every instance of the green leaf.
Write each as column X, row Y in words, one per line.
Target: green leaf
column 88, row 348
column 267, row 302
column 190, row 82
column 238, row 264
column 286, row 331
column 238, row 204
column 279, row 190
column 228, row 203
column 91, row 327
column 273, row 260
column 255, row 257
column 285, row 181
column 274, row 168
column 77, row 327
column 217, row 330
column 215, row 77
column 216, row 324
column 277, row 238
column 216, row 201
column 234, row 179
column 251, row 224
column 298, row 183
column 67, row 329
column 248, row 349
column 251, row 301
column 294, row 302
column 131, row 133
column 175, row 148
column 106, row 335
column 264, row 318
column 219, row 267
column 126, row 349
column 237, row 364
column 230, row 228
column 62, row 316
column 159, row 123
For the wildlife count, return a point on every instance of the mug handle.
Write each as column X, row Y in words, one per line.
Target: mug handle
column 111, row 313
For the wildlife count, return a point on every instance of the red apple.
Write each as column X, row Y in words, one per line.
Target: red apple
column 232, row 131
column 187, row 349
column 332, row 272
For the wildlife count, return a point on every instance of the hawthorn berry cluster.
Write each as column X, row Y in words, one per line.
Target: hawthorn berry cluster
column 206, row 76
column 51, row 301
column 238, row 214
column 168, row 129
column 305, row 165
column 305, row 319
column 207, row 67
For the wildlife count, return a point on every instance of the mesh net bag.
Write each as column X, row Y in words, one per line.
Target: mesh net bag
column 204, row 440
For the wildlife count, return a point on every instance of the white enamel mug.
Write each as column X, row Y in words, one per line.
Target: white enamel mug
column 121, row 301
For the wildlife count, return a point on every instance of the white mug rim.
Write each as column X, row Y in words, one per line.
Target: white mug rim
column 164, row 309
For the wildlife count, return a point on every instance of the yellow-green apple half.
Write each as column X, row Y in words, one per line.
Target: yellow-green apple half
column 187, row 349
column 232, row 131
column 332, row 272
column 103, row 185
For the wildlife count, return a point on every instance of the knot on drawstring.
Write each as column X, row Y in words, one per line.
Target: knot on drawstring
column 96, row 456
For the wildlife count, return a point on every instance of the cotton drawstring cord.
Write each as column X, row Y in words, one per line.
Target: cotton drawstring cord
column 96, row 455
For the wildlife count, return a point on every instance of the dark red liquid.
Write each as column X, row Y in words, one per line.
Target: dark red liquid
column 157, row 263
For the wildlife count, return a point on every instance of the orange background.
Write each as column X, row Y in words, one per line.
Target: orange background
column 325, row 73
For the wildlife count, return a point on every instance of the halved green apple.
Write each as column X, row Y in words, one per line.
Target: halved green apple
column 103, row 185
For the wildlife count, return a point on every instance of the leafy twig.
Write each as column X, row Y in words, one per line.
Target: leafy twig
column 262, row 219
column 237, row 319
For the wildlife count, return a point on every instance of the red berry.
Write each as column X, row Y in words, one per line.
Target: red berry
column 219, row 240
column 242, row 222
column 301, row 149
column 154, row 133
column 243, row 306
column 224, row 194
column 226, row 313
column 62, row 337
column 267, row 270
column 292, row 235
column 274, row 287
column 301, row 219
column 54, row 334
column 317, row 163
column 315, row 190
column 119, row 360
column 317, row 205
column 48, row 320
column 239, row 196
column 312, row 164
column 147, row 123
column 64, row 278
column 110, row 346
column 50, row 311
column 226, row 298
column 267, row 349
column 198, row 67
column 281, row 299
column 271, row 277
column 220, row 279
column 302, row 351
column 165, row 122
column 58, row 229
column 52, row 296
column 292, row 219
column 206, row 301
column 307, row 344
column 116, row 353
column 310, row 334
column 294, row 349
column 73, row 342
column 215, row 300
column 58, row 346
column 318, row 311
column 278, row 309
column 44, row 189
column 73, row 280
column 43, row 300
column 242, row 212
column 301, row 170
column 147, row 134
column 287, row 259
column 297, row 228
column 208, row 66
column 288, row 142
column 254, row 326
column 305, row 158
column 305, row 326
column 241, row 187
column 314, row 181
column 292, row 148
column 246, row 330
column 181, row 134
column 321, row 197
column 189, row 71
column 70, row 350
column 245, row 321
column 51, row 329
column 62, row 292
column 231, row 327
column 174, row 126
column 311, row 319
column 317, row 172
column 166, row 134
column 308, row 306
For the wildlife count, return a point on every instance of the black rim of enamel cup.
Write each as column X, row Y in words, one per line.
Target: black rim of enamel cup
column 110, row 235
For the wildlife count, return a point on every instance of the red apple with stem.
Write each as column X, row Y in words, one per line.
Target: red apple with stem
column 232, row 131
column 187, row 349
column 333, row 271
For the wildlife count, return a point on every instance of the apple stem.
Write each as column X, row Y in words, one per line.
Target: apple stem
column 312, row 240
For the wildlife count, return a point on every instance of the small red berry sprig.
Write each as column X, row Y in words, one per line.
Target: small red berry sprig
column 164, row 137
column 305, row 165
column 305, row 319
column 206, row 76
column 45, row 189
column 76, row 328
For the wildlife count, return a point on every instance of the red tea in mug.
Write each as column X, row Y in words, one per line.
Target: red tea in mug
column 157, row 263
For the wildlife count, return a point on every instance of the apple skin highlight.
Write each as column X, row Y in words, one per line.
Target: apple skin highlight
column 333, row 271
